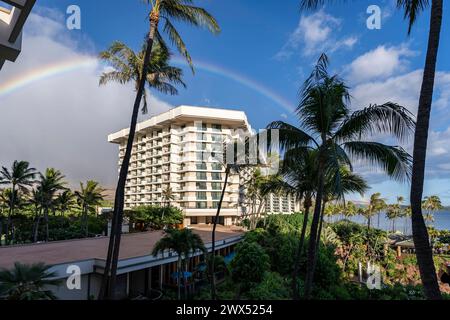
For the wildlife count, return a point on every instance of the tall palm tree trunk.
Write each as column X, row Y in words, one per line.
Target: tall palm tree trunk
column 86, row 222
column 36, row 224
column 319, row 233
column 1, row 229
column 10, row 214
column 420, row 233
column 299, row 251
column 313, row 235
column 46, row 224
column 109, row 277
column 213, row 236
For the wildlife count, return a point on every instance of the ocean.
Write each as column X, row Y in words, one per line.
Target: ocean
column 441, row 222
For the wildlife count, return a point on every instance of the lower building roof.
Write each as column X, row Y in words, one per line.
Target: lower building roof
column 131, row 246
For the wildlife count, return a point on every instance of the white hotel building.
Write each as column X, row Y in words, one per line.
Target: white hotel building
column 173, row 149
column 12, row 19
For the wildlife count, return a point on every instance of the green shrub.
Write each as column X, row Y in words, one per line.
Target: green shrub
column 249, row 265
column 272, row 287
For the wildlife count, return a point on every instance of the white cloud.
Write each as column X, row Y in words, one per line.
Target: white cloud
column 380, row 77
column 315, row 34
column 63, row 121
column 379, row 63
column 403, row 89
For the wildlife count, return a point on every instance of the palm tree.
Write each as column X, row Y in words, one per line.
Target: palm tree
column 350, row 209
column 349, row 183
column 27, row 282
column 376, row 204
column 338, row 135
column 395, row 211
column 49, row 184
column 65, row 201
column 128, row 67
column 257, row 187
column 406, row 215
column 412, row 9
column 299, row 179
column 89, row 196
column 184, row 243
column 392, row 213
column 420, row 234
column 19, row 178
column 169, row 11
column 229, row 170
column 36, row 201
column 6, row 197
column 167, row 196
column 3, row 205
column 431, row 204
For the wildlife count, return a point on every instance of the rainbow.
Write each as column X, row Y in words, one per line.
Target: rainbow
column 45, row 72
column 67, row 66
column 239, row 78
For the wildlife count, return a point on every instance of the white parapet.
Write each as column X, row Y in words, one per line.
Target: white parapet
column 12, row 21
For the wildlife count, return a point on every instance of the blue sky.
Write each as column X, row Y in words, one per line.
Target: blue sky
column 274, row 45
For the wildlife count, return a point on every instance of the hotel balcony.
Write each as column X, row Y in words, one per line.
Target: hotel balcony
column 12, row 20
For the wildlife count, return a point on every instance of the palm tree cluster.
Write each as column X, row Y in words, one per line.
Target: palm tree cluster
column 45, row 194
column 330, row 138
column 412, row 10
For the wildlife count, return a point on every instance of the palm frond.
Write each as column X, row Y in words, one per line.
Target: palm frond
column 176, row 40
column 195, row 16
column 115, row 76
column 290, row 136
column 395, row 161
column 412, row 10
column 386, row 118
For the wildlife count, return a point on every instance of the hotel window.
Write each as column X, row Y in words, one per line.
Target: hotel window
column 216, row 138
column 201, row 185
column 201, row 126
column 201, row 195
column 201, row 205
column 201, row 156
column 216, row 166
column 201, row 166
column 216, row 186
column 216, row 176
column 201, row 136
column 216, row 195
column 201, row 176
column 216, row 128
column 201, row 146
column 215, row 205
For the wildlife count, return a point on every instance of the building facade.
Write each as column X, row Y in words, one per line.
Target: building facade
column 178, row 153
column 286, row 204
column 12, row 20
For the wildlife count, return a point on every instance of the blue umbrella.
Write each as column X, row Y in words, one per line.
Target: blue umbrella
column 184, row 274
column 229, row 257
